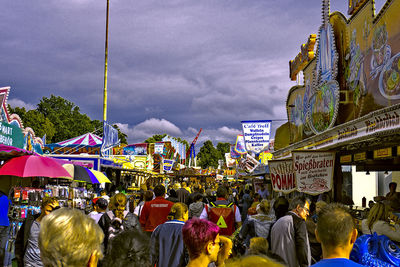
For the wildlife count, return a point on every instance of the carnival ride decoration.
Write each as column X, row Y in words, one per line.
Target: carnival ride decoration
column 191, row 152
column 374, row 250
column 87, row 139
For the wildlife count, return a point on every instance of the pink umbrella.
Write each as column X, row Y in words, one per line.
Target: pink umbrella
column 32, row 166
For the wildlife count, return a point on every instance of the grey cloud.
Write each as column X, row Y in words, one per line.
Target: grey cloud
column 14, row 102
column 195, row 64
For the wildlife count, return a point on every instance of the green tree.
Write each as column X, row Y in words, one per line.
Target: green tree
column 155, row 138
column 208, row 155
column 122, row 136
column 65, row 116
column 222, row 149
column 35, row 120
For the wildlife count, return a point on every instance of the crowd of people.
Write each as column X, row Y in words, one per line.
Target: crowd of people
column 197, row 225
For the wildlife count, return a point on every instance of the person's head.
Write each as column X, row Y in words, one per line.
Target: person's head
column 379, row 212
column 48, row 205
column 258, row 246
column 128, row 249
column 101, row 204
column 335, row 228
column 262, row 187
column 392, row 186
column 263, row 207
column 201, row 237
column 172, row 193
column 222, row 192
column 371, row 203
column 118, row 204
column 177, row 186
column 196, row 188
column 69, row 238
column 198, row 198
column 148, row 195
column 103, row 193
column 300, row 206
column 183, row 184
column 159, row 190
column 319, row 205
column 179, row 211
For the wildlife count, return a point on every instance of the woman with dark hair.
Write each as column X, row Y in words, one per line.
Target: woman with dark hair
column 166, row 244
column 117, row 219
column 172, row 196
column 129, row 249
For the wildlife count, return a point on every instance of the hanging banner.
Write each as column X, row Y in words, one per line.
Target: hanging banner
column 230, row 162
column 282, row 175
column 158, row 148
column 248, row 163
column 240, row 145
column 234, row 154
column 256, row 135
column 168, row 164
column 110, row 137
column 313, row 171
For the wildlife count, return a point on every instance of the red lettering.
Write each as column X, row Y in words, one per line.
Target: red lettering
column 278, row 181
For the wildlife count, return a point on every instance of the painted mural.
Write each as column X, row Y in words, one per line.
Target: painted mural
column 356, row 69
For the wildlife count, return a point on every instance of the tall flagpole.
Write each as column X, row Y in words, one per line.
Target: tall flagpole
column 105, row 67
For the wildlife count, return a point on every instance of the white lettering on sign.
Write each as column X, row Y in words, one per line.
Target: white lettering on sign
column 282, row 176
column 159, row 205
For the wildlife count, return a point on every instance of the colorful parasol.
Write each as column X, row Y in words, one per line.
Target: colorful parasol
column 101, row 177
column 83, row 174
column 8, row 152
column 34, row 166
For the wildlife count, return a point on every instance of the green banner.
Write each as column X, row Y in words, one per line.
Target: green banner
column 11, row 135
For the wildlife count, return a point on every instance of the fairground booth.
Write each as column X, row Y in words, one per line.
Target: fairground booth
column 342, row 134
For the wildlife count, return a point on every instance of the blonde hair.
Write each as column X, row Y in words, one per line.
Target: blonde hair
column 48, row 201
column 253, row 260
column 264, row 206
column 379, row 212
column 178, row 210
column 320, row 204
column 118, row 203
column 68, row 238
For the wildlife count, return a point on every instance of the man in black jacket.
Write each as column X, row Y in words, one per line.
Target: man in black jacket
column 27, row 236
column 289, row 238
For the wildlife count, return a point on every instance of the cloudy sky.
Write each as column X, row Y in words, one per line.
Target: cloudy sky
column 175, row 66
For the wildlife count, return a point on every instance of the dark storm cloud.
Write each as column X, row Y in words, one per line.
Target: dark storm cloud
column 175, row 66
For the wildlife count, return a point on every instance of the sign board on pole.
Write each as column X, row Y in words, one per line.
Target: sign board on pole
column 240, row 146
column 256, row 135
column 282, row 175
column 313, row 171
column 230, row 162
column 110, row 137
column 168, row 164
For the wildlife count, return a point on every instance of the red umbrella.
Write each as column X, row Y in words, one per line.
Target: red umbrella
column 32, row 166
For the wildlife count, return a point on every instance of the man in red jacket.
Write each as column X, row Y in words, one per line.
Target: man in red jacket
column 155, row 212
